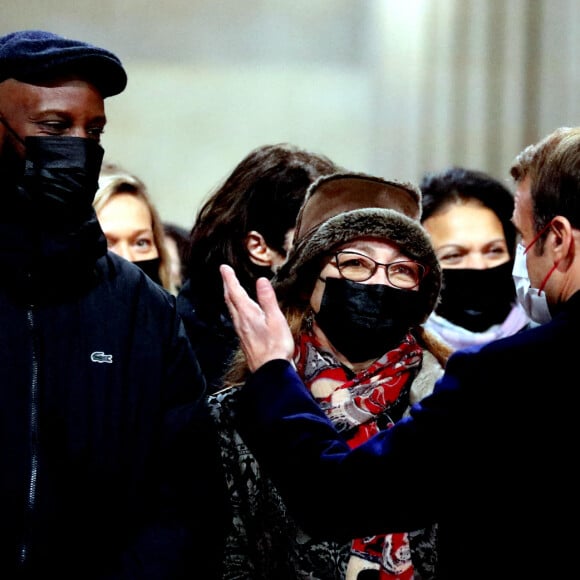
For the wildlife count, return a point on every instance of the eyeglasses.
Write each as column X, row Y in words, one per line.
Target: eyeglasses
column 359, row 268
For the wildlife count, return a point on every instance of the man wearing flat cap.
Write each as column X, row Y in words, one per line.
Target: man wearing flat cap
column 104, row 445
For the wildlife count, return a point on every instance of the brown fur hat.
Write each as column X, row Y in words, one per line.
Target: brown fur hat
column 344, row 206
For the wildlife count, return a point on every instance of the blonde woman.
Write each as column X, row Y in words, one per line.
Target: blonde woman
column 131, row 223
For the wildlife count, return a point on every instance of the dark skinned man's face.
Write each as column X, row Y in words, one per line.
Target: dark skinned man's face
column 68, row 107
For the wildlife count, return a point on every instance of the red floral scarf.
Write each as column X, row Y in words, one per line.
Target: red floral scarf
column 361, row 405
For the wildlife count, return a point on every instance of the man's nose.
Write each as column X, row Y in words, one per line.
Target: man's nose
column 80, row 132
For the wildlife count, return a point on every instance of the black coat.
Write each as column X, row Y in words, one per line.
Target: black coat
column 490, row 456
column 104, row 449
column 211, row 333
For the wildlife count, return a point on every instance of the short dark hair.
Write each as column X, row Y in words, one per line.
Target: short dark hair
column 459, row 184
column 264, row 192
column 555, row 184
column 552, row 164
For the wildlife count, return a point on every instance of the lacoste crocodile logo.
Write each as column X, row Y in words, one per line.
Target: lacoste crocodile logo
column 101, row 357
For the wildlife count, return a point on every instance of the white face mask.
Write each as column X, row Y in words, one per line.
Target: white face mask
column 531, row 299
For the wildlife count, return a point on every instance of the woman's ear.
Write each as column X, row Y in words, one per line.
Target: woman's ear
column 260, row 253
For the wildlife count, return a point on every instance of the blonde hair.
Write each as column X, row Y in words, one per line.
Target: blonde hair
column 114, row 180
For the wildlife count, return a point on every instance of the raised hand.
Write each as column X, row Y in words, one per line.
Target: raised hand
column 262, row 328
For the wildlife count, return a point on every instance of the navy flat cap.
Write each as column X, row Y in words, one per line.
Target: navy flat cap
column 33, row 56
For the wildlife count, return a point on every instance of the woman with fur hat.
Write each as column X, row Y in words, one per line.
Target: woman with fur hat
column 356, row 287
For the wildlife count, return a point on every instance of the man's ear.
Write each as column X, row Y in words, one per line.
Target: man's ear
column 260, row 253
column 562, row 243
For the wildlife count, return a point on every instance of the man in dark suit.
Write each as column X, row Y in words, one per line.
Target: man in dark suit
column 490, row 453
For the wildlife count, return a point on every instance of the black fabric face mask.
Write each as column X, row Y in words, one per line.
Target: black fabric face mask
column 151, row 268
column 61, row 177
column 364, row 321
column 55, row 182
column 48, row 227
column 477, row 299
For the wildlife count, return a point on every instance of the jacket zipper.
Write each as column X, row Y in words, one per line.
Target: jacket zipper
column 23, row 552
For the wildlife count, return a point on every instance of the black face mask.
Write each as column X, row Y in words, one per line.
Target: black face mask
column 151, row 268
column 477, row 299
column 61, row 177
column 48, row 226
column 364, row 321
